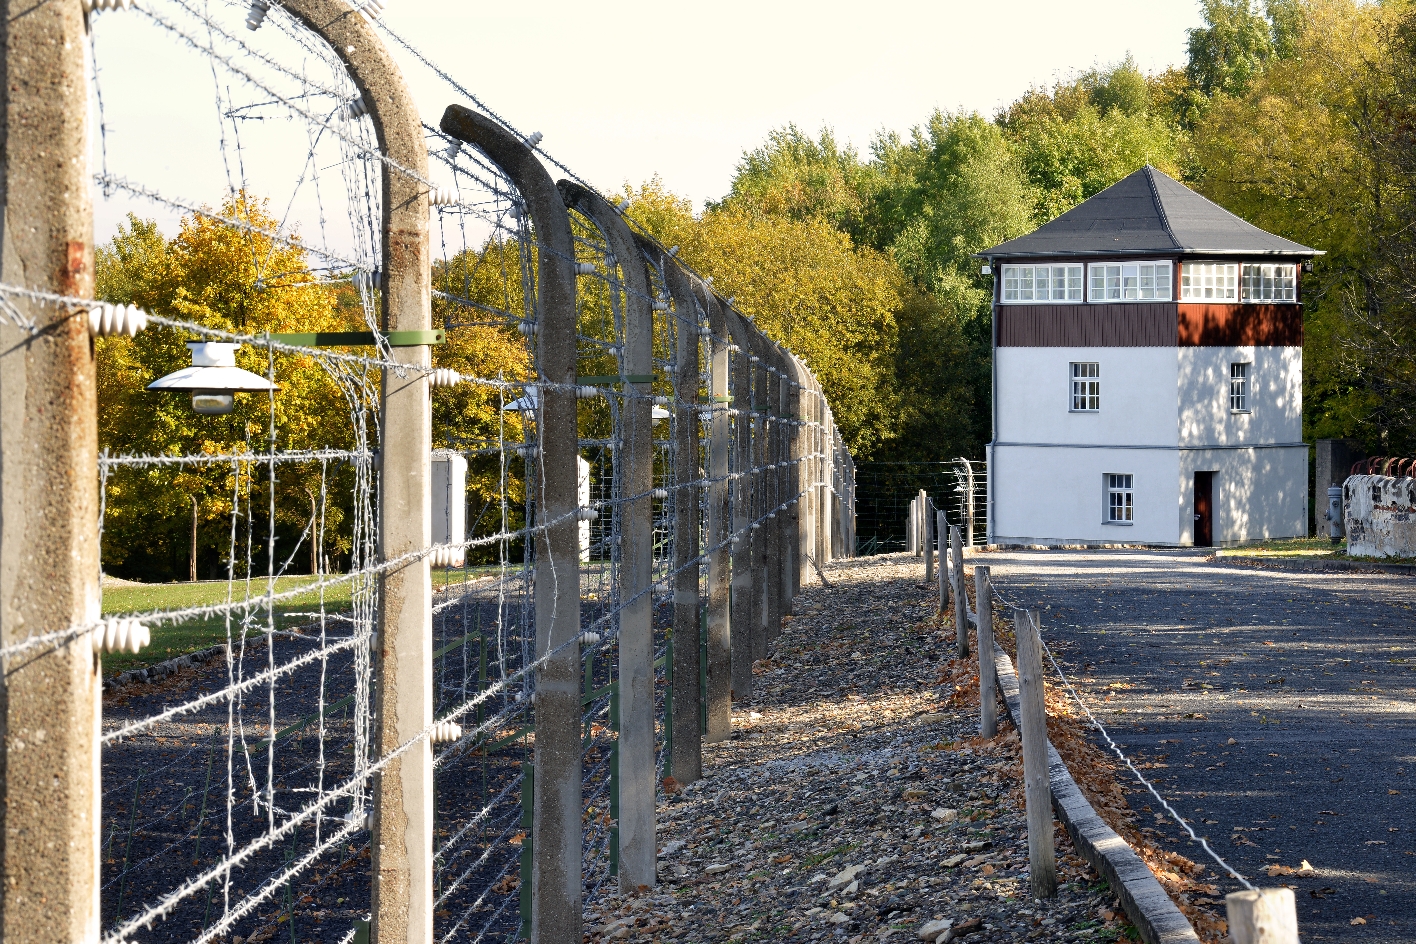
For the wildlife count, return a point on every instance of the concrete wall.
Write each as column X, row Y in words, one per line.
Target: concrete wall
column 1049, row 495
column 1275, row 397
column 1258, row 493
column 1380, row 515
column 1138, row 404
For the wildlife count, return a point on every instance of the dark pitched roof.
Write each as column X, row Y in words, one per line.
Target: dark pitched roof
column 1148, row 213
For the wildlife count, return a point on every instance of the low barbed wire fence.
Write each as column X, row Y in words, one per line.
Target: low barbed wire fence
column 371, row 756
column 1255, row 915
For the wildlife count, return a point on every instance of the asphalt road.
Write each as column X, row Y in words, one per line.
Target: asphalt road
column 1311, row 674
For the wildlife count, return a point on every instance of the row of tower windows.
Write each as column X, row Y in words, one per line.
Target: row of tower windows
column 1264, row 282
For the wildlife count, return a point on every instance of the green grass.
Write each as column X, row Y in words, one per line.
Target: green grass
column 170, row 641
column 1316, row 548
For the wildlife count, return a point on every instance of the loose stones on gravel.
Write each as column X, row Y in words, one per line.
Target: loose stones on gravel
column 853, row 803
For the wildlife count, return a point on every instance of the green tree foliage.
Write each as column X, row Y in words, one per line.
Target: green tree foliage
column 233, row 279
column 1084, row 135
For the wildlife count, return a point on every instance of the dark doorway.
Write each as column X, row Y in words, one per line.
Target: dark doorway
column 1204, row 509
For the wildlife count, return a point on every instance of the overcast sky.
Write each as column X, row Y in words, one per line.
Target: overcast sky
column 627, row 89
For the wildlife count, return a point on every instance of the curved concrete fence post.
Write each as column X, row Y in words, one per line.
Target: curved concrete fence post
column 766, row 574
column 720, row 525
column 403, row 820
column 634, row 454
column 556, row 827
column 745, row 605
column 686, row 716
column 782, row 456
column 49, row 557
column 795, row 523
column 806, row 504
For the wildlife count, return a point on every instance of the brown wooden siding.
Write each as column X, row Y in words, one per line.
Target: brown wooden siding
column 1226, row 325
column 1137, row 324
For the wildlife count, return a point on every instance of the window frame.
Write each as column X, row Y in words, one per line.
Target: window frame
column 1242, row 396
column 1110, row 488
column 1244, row 298
column 1121, row 286
column 1074, row 380
column 1003, row 276
column 1185, row 274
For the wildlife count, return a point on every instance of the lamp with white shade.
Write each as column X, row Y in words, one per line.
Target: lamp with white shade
column 213, row 378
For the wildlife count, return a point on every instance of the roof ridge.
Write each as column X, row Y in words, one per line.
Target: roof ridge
column 1160, row 206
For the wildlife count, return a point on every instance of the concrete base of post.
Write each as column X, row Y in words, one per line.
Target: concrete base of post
column 1262, row 916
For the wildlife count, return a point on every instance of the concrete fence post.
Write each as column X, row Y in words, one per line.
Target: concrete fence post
column 746, row 622
column 49, row 554
column 556, row 831
column 806, row 513
column 786, row 485
column 941, row 528
column 1037, row 786
column 720, row 525
column 634, row 458
column 929, row 541
column 403, row 811
column 961, row 599
column 686, row 719
column 987, row 670
column 763, row 604
column 1262, row 916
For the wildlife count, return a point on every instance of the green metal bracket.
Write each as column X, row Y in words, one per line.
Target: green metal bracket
column 615, row 378
column 360, row 338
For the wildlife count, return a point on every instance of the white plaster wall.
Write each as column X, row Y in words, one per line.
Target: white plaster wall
column 1138, row 396
column 1056, row 495
column 1258, row 493
column 1275, row 396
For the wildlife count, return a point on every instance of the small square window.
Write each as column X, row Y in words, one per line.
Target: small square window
column 1239, row 388
column 1120, row 499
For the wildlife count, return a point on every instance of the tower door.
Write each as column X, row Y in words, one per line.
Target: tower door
column 1204, row 509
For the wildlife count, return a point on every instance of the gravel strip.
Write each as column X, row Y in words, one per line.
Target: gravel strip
column 853, row 801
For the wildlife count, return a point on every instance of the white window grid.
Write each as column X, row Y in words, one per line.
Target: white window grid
column 1269, row 282
column 1209, row 281
column 1129, row 282
column 1086, row 387
column 1239, row 388
column 1042, row 283
column 1120, row 498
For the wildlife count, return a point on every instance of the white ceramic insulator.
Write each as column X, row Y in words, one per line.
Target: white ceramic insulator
column 586, row 514
column 661, row 493
column 526, row 452
column 442, row 196
column 585, row 393
column 445, row 377
column 706, row 332
column 445, row 732
column 673, row 250
column 454, row 148
column 257, row 15
column 708, row 280
column 659, row 304
column 622, row 204
column 661, row 401
column 121, row 635
column 106, row 319
column 372, row 9
column 363, row 281
column 534, row 139
column 756, row 525
column 356, row 109
column 590, row 639
column 527, row 328
column 585, row 268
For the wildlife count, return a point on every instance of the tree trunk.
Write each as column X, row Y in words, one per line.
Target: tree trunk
column 192, row 575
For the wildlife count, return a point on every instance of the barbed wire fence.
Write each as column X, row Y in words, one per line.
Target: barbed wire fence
column 423, row 717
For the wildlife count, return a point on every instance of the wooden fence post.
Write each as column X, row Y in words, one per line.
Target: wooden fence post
column 1262, row 916
column 961, row 599
column 987, row 671
column 1042, row 861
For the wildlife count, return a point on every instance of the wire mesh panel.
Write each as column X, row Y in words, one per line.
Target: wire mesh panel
column 253, row 784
